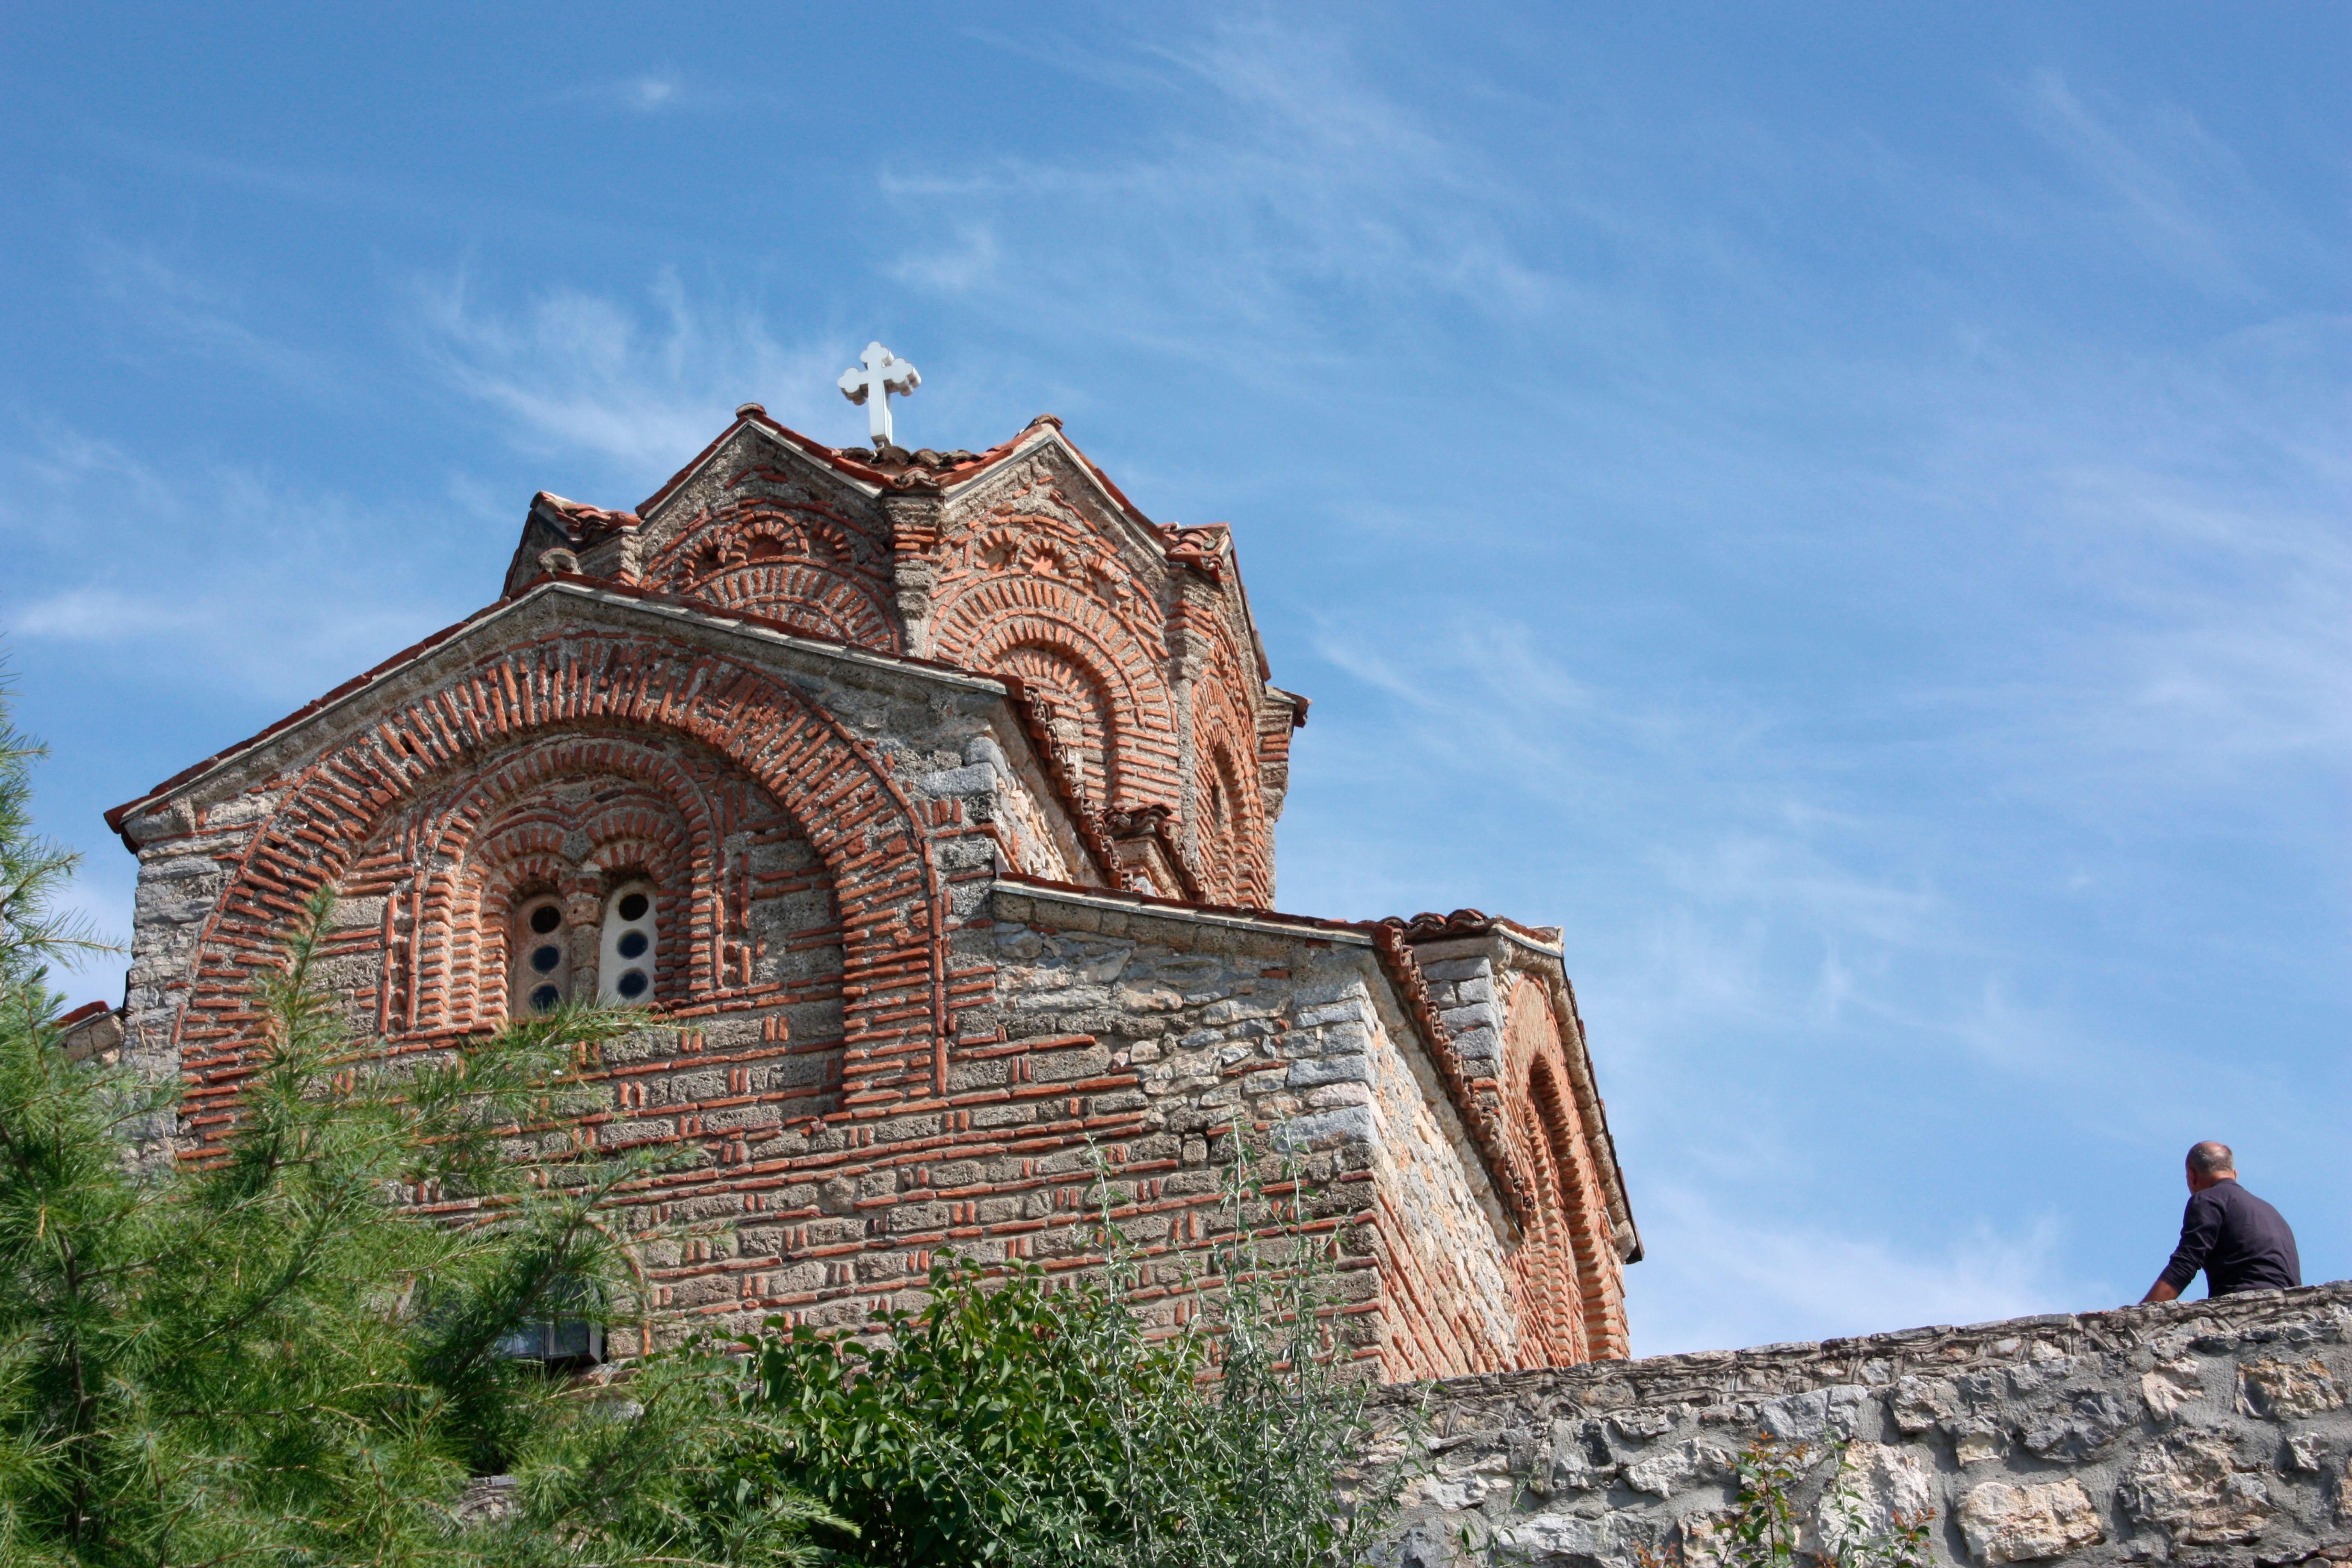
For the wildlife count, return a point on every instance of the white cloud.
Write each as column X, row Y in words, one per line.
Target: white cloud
column 253, row 584
column 1717, row 1277
column 650, row 92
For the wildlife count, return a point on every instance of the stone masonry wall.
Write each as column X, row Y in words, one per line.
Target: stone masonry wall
column 2195, row 1432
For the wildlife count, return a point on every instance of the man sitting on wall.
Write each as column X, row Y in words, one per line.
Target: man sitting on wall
column 2241, row 1242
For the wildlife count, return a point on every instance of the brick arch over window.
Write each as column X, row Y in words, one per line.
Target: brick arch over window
column 1568, row 1246
column 890, row 896
column 1080, row 719
column 746, row 906
column 803, row 595
column 1222, row 844
column 980, row 628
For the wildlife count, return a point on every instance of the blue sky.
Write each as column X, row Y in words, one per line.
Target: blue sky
column 1842, row 508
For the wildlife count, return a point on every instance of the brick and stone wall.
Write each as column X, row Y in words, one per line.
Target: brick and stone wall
column 2193, row 1432
column 1020, row 560
column 877, row 746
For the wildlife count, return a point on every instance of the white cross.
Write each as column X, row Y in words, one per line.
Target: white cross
column 878, row 374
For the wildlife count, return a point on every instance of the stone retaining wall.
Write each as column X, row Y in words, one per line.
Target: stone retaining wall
column 2194, row 1432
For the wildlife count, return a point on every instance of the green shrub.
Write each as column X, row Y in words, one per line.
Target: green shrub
column 1028, row 1421
column 264, row 1358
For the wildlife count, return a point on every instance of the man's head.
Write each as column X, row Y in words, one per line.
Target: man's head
column 2210, row 1163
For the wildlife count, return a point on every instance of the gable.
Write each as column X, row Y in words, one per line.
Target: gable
column 760, row 524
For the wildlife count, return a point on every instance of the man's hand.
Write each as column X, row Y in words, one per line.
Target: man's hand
column 2160, row 1291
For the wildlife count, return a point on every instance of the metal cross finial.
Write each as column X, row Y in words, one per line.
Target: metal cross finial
column 878, row 374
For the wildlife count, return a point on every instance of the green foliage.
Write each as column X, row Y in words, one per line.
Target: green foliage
column 1035, row 1422
column 1765, row 1530
column 33, row 871
column 263, row 1356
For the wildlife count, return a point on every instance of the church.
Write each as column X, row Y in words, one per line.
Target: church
column 926, row 802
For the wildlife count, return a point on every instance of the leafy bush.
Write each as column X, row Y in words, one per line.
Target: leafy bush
column 1035, row 1423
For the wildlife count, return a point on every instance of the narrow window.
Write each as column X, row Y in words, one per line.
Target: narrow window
column 558, row 1340
column 542, row 968
column 625, row 964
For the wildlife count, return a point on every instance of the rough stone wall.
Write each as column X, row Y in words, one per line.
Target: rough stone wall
column 2193, row 1432
column 1299, row 1038
column 1504, row 998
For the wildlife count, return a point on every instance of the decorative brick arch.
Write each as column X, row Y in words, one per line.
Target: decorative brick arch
column 1571, row 1235
column 1235, row 856
column 981, row 626
column 890, row 895
column 793, row 560
column 572, row 810
column 1078, row 713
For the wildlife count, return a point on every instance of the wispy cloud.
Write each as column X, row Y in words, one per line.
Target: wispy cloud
column 574, row 371
column 2178, row 190
column 157, row 305
column 253, row 584
column 1280, row 174
column 647, row 92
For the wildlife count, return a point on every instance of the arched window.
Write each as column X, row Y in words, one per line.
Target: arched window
column 624, row 965
column 543, row 950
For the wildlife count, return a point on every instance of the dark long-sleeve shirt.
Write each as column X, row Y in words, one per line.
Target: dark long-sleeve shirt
column 2241, row 1242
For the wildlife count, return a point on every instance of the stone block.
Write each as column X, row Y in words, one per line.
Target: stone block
column 1316, row 1070
column 2195, row 1488
column 1816, row 1415
column 2085, row 1426
column 2006, row 1523
column 1921, row 1404
column 1679, row 1468
column 2287, row 1390
column 1351, row 1124
column 2168, row 1386
column 1878, row 1489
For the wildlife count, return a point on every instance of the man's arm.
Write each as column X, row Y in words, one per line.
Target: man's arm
column 2200, row 1227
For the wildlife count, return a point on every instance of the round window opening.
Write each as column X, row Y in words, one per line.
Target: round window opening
column 546, row 958
column 632, row 944
column 632, row 984
column 633, row 906
column 545, row 919
column 544, row 999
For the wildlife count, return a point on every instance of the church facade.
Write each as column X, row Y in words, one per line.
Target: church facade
column 926, row 803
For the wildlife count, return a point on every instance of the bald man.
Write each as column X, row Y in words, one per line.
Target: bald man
column 2241, row 1242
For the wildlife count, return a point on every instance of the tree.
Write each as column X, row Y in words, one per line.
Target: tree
column 33, row 870
column 261, row 1353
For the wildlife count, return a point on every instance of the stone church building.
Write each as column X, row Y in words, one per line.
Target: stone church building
column 927, row 801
